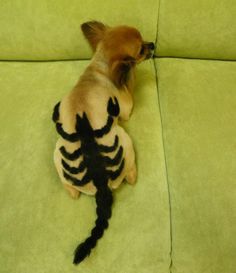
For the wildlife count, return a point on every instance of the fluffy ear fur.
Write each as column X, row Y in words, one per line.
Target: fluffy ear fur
column 120, row 70
column 94, row 32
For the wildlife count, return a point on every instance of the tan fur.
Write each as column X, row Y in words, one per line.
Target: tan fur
column 115, row 51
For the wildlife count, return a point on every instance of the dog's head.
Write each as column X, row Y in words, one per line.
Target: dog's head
column 122, row 48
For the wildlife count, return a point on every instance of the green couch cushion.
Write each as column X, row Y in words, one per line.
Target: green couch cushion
column 40, row 224
column 198, row 107
column 197, row 29
column 50, row 30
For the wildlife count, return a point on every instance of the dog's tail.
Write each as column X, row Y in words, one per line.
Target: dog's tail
column 104, row 200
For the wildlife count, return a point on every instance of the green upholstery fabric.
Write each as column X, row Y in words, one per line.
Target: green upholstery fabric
column 50, row 30
column 180, row 216
column 198, row 107
column 197, row 29
column 40, row 224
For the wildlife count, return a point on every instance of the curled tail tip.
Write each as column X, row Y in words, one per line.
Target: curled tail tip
column 81, row 252
column 77, row 259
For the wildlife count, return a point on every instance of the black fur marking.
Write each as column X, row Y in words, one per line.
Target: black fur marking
column 96, row 165
column 104, row 200
column 73, row 170
column 55, row 115
column 113, row 109
column 84, row 128
column 76, row 181
column 113, row 175
column 107, row 149
column 96, row 170
column 70, row 156
column 70, row 137
column 105, row 129
column 116, row 160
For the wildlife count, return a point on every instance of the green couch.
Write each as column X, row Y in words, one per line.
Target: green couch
column 180, row 217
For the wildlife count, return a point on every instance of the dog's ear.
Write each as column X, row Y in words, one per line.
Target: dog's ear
column 94, row 32
column 120, row 70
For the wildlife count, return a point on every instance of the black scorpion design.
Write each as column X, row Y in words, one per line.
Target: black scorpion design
column 96, row 164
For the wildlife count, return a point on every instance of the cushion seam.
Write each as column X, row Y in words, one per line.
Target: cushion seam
column 166, row 169
column 157, row 24
column 192, row 58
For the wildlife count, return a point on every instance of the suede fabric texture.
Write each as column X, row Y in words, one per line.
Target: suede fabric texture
column 180, row 216
column 198, row 108
column 197, row 29
column 40, row 224
column 50, row 30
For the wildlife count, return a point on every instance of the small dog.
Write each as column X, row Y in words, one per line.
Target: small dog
column 94, row 154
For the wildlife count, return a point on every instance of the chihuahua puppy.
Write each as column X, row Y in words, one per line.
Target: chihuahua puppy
column 94, row 154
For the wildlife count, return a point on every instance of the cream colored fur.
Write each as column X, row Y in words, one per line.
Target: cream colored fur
column 92, row 92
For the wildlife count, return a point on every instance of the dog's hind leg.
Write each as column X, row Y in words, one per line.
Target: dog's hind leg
column 132, row 175
column 74, row 193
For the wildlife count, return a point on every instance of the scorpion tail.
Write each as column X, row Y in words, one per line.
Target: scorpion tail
column 104, row 200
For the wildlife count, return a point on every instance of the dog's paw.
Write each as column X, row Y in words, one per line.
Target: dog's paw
column 132, row 176
column 74, row 193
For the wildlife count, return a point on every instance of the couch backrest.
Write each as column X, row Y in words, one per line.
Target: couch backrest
column 50, row 29
column 197, row 29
